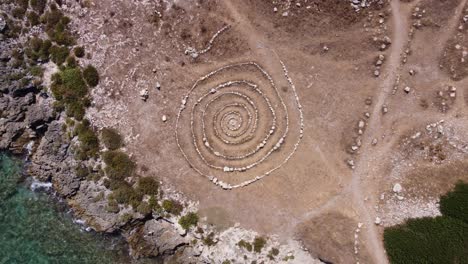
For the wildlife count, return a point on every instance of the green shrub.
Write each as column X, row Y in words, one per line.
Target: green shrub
column 75, row 109
column 442, row 239
column 33, row 18
column 172, row 207
column 52, row 18
column 89, row 142
column 38, row 5
column 58, row 54
column 127, row 217
column 209, row 240
column 112, row 206
column 153, row 203
column 23, row 3
column 18, row 12
column 258, row 244
column 188, row 220
column 119, row 165
column 79, row 52
column 455, row 203
column 60, row 33
column 68, row 85
column 144, row 208
column 71, row 62
column 81, row 172
column 111, row 138
column 148, row 186
column 36, row 71
column 244, row 244
column 125, row 194
column 427, row 240
column 91, row 75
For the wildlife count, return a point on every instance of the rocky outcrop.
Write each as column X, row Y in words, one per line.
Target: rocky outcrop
column 156, row 238
column 53, row 161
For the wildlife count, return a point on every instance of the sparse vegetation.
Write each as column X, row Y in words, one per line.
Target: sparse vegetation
column 244, row 244
column 111, row 138
column 258, row 244
column 89, row 142
column 59, row 54
column 209, row 240
column 148, row 186
column 144, row 208
column 442, row 239
column 79, row 52
column 172, row 207
column 273, row 253
column 188, row 220
column 112, row 206
column 91, row 75
column 119, row 165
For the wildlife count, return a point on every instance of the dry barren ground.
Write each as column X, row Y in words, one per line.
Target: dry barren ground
column 319, row 110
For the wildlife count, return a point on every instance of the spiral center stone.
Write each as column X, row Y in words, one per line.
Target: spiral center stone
column 234, row 123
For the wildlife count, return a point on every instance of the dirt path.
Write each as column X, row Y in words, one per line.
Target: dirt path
column 364, row 166
column 372, row 236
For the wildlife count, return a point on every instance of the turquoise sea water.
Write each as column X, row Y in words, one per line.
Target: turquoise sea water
column 35, row 227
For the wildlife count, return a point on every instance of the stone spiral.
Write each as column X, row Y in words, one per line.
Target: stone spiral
column 234, row 127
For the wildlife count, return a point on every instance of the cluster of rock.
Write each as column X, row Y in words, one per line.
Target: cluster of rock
column 194, row 53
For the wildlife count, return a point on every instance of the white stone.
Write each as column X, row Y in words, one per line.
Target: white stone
column 407, row 89
column 361, row 124
column 164, row 118
column 378, row 221
column 397, row 188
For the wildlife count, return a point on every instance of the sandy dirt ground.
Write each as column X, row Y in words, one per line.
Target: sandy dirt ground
column 363, row 111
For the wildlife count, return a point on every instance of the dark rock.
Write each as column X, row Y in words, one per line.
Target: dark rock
column 54, row 161
column 40, row 114
column 156, row 238
column 21, row 91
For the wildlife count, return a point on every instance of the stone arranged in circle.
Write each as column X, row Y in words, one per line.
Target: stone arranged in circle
column 234, row 127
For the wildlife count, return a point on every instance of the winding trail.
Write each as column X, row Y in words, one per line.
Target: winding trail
column 363, row 168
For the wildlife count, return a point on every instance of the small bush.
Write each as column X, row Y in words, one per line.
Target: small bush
column 172, row 207
column 38, row 5
column 209, row 240
column 188, row 220
column 36, row 71
column 71, row 62
column 127, row 217
column 33, row 18
column 89, row 142
column 79, row 52
column 258, row 244
column 111, row 138
column 243, row 244
column 112, row 206
column 58, row 54
column 455, row 203
column 81, row 172
column 91, row 75
column 148, row 186
column 144, row 208
column 127, row 195
column 119, row 165
column 18, row 12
